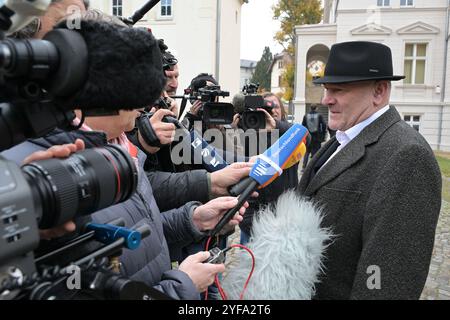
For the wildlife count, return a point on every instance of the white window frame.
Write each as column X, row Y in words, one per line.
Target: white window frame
column 414, row 59
column 384, row 3
column 165, row 17
column 117, row 6
column 406, row 3
column 411, row 122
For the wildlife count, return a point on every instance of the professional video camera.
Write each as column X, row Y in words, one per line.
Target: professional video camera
column 211, row 111
column 41, row 82
column 251, row 118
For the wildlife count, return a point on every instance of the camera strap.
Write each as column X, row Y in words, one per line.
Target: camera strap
column 146, row 130
column 182, row 107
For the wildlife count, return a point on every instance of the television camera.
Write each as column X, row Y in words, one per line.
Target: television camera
column 211, row 111
column 251, row 118
column 39, row 81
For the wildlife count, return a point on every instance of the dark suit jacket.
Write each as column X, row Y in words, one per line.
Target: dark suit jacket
column 381, row 195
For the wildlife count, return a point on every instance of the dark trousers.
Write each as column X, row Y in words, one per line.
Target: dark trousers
column 312, row 150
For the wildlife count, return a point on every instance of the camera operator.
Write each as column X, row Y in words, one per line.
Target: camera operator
column 200, row 81
column 170, row 187
column 289, row 179
column 150, row 263
column 234, row 153
column 172, row 80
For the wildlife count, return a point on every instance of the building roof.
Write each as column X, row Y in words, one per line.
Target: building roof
column 249, row 64
column 283, row 55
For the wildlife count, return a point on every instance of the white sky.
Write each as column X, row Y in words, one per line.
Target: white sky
column 258, row 29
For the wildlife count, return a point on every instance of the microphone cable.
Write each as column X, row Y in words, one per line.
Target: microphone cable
column 217, row 281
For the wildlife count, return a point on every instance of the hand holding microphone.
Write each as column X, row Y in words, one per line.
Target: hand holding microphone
column 285, row 152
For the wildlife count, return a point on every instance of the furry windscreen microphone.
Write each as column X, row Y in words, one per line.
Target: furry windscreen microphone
column 288, row 244
column 124, row 67
column 238, row 103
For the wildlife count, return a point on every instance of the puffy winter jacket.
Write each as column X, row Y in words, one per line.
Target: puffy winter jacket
column 150, row 263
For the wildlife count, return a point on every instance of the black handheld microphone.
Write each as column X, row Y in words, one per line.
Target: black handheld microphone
column 286, row 151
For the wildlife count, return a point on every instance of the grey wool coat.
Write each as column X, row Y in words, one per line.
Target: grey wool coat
column 381, row 195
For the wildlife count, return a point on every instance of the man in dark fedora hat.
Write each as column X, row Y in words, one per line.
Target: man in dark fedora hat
column 377, row 181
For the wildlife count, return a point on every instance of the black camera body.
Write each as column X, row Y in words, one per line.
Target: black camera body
column 161, row 103
column 252, row 118
column 36, row 81
column 48, row 193
column 211, row 111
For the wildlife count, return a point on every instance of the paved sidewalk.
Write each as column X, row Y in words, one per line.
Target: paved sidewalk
column 437, row 286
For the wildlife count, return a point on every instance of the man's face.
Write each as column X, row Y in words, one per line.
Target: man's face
column 349, row 103
column 114, row 125
column 172, row 81
column 276, row 110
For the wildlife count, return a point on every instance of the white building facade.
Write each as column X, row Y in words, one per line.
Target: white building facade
column 276, row 70
column 204, row 35
column 415, row 30
column 247, row 70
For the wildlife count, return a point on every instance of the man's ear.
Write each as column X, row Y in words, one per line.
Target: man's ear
column 380, row 91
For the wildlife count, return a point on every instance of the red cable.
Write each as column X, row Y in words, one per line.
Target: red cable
column 206, row 249
column 216, row 280
column 222, row 293
column 241, row 297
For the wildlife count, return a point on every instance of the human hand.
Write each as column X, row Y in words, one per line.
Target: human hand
column 61, row 151
column 196, row 107
column 270, row 121
column 201, row 274
column 236, row 119
column 230, row 175
column 163, row 130
column 207, row 216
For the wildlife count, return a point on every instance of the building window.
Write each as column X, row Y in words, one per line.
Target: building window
column 117, row 8
column 406, row 3
column 280, row 64
column 280, row 81
column 413, row 121
column 415, row 57
column 166, row 8
column 383, row 3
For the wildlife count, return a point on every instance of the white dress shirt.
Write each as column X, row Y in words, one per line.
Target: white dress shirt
column 344, row 137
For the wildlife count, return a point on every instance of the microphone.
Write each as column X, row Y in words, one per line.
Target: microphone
column 238, row 103
column 288, row 245
column 98, row 66
column 139, row 14
column 20, row 13
column 285, row 152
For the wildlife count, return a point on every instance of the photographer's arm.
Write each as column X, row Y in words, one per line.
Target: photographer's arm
column 172, row 190
column 191, row 222
column 192, row 277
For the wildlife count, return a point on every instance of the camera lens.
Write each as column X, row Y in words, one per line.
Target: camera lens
column 254, row 120
column 81, row 184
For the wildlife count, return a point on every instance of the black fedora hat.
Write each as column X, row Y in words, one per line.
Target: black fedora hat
column 358, row 61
